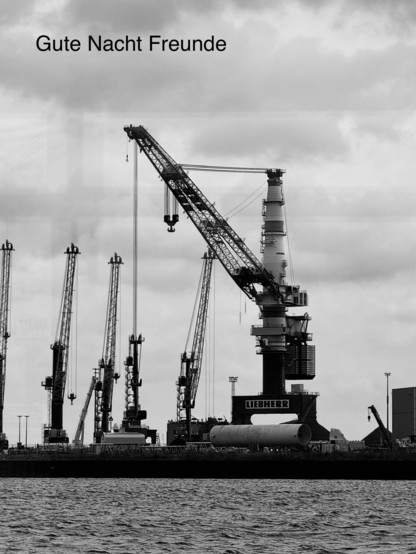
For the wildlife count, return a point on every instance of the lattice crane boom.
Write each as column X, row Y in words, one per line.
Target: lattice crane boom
column 56, row 384
column 191, row 363
column 238, row 260
column 109, row 350
column 79, row 433
column 7, row 249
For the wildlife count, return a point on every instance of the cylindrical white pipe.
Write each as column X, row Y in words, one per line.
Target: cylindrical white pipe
column 285, row 434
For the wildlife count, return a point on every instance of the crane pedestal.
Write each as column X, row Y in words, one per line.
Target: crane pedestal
column 55, row 436
column 304, row 405
column 4, row 443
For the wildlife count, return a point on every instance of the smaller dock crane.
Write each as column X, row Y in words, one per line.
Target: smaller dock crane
column 107, row 375
column 7, row 249
column 55, row 384
column 384, row 432
column 79, row 434
column 191, row 362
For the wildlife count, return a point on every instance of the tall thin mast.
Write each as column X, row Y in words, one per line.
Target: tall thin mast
column 135, row 237
column 6, row 248
column 133, row 414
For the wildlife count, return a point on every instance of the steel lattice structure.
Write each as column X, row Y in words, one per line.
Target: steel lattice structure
column 238, row 260
column 7, row 249
column 191, row 363
column 56, row 384
column 109, row 350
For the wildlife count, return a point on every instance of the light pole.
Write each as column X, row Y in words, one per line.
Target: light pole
column 387, row 398
column 27, row 417
column 19, row 444
column 233, row 381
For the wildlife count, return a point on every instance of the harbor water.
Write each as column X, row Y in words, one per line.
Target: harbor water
column 111, row 516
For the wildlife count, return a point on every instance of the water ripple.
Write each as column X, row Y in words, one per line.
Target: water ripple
column 152, row 516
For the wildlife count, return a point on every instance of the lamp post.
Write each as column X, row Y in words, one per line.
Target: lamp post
column 27, row 417
column 233, row 381
column 19, row 444
column 387, row 398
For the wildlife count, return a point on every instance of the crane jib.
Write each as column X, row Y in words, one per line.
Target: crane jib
column 238, row 260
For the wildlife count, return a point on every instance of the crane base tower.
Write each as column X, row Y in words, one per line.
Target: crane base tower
column 301, row 404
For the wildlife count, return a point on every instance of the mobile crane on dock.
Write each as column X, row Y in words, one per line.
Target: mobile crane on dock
column 79, row 433
column 191, row 362
column 107, row 374
column 386, row 434
column 6, row 249
column 281, row 339
column 55, row 384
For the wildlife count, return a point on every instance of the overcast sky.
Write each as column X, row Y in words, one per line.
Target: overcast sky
column 325, row 90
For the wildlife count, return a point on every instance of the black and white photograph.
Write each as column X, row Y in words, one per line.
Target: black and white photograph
column 208, row 266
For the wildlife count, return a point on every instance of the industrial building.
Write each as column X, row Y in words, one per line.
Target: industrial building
column 404, row 413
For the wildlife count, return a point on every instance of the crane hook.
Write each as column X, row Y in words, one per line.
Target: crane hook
column 72, row 397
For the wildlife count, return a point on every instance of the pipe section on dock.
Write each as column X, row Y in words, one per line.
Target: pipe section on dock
column 284, row 434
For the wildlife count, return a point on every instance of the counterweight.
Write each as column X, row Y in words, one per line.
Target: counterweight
column 7, row 249
column 56, row 384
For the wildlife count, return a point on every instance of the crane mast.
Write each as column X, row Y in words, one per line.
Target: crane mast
column 55, row 384
column 191, row 363
column 7, row 249
column 107, row 362
column 282, row 338
column 133, row 414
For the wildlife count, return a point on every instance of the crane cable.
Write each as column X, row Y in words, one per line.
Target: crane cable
column 106, row 319
column 9, row 327
column 245, row 203
column 76, row 334
column 119, row 330
column 194, row 308
column 61, row 305
column 73, row 367
column 291, row 270
column 210, row 351
column 213, row 320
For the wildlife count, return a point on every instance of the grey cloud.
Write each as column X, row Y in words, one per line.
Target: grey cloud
column 16, row 11
column 137, row 15
column 350, row 235
column 399, row 16
column 275, row 137
column 273, row 76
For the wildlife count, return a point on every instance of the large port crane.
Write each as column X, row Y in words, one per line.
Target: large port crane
column 282, row 338
column 7, row 249
column 55, row 384
column 191, row 362
column 107, row 362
